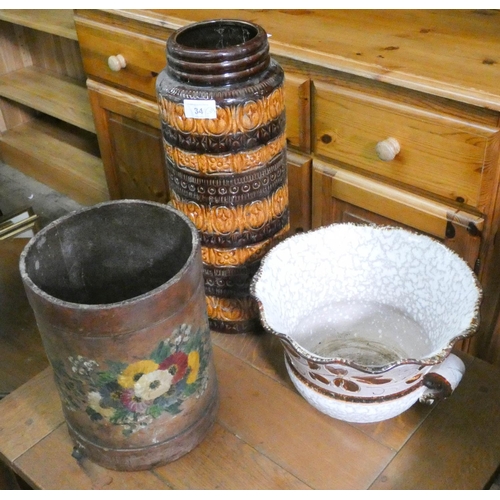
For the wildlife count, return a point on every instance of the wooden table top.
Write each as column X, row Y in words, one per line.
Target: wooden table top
column 267, row 436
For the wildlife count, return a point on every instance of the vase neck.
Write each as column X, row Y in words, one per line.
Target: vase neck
column 218, row 52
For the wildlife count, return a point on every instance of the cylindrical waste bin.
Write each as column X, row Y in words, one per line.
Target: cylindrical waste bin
column 117, row 292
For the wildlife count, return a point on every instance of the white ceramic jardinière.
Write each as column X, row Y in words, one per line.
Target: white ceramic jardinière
column 368, row 317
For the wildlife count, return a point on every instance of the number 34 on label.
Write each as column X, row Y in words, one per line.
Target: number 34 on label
column 201, row 109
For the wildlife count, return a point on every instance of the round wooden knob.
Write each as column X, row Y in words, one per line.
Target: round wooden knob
column 116, row 63
column 388, row 149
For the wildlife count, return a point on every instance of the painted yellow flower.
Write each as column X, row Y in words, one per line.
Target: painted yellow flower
column 135, row 371
column 194, row 365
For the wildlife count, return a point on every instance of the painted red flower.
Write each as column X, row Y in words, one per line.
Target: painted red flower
column 176, row 364
column 133, row 402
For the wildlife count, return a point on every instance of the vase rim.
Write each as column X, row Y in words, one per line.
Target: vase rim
column 217, row 51
column 177, row 39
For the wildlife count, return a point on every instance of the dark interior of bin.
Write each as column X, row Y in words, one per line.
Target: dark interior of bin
column 109, row 254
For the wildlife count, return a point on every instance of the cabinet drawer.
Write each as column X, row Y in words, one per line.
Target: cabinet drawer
column 144, row 56
column 440, row 154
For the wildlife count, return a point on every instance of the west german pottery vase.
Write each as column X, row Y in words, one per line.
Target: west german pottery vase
column 222, row 110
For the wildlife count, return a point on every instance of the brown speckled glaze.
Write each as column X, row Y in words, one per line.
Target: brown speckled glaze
column 227, row 174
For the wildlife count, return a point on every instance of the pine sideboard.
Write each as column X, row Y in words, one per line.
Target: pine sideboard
column 393, row 117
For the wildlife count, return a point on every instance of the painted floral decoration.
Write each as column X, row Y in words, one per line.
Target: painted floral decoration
column 133, row 395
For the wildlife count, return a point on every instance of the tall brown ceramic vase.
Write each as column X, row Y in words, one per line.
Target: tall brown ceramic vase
column 223, row 121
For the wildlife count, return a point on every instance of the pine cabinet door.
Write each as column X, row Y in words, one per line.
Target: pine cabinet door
column 128, row 128
column 342, row 196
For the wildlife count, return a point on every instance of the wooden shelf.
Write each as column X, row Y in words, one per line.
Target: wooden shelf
column 54, row 21
column 48, row 128
column 58, row 155
column 53, row 95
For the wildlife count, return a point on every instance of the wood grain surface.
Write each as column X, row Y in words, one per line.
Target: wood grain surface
column 268, row 437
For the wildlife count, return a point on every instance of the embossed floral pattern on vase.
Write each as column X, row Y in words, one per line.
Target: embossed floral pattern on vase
column 228, row 171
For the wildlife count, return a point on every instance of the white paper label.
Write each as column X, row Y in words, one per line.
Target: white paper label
column 200, row 108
